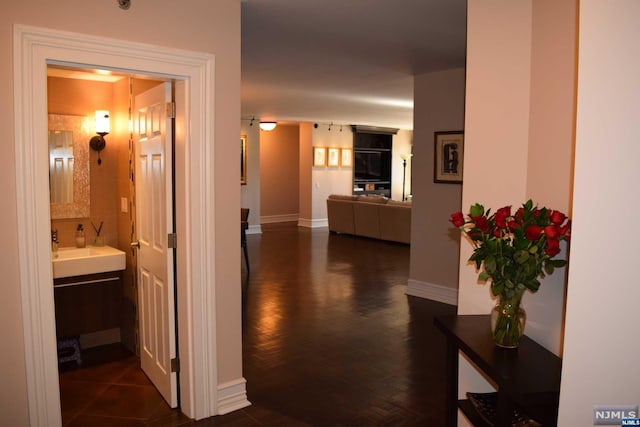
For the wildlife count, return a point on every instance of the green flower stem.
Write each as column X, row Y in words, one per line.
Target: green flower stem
column 508, row 319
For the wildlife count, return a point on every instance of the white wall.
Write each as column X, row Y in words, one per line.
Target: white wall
column 305, row 162
column 250, row 193
column 601, row 347
column 327, row 180
column 402, row 146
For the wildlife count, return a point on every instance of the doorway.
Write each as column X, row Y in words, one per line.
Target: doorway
column 39, row 48
column 102, row 312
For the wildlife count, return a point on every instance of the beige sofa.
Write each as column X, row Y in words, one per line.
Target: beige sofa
column 370, row 216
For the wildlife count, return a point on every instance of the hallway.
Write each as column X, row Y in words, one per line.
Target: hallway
column 329, row 337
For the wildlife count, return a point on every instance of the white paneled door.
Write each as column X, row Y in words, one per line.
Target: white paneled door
column 154, row 215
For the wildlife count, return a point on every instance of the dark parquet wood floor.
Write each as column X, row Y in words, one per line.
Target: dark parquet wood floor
column 329, row 339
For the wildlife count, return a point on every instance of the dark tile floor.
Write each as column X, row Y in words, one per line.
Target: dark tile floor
column 109, row 389
column 330, row 339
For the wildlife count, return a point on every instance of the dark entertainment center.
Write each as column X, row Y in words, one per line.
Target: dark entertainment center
column 372, row 160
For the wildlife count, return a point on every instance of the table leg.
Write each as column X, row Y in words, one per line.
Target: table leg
column 452, row 385
column 504, row 409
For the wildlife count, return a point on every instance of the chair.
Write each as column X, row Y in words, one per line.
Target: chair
column 244, row 225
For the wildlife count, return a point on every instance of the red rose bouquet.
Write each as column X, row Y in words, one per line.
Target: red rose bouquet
column 514, row 250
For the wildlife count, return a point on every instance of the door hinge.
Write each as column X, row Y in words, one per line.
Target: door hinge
column 171, row 110
column 175, row 365
column 172, row 240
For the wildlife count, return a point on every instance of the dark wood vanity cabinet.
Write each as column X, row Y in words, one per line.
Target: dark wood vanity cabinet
column 85, row 304
column 526, row 378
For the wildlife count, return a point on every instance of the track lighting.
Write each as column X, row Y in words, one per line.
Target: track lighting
column 328, row 125
column 264, row 125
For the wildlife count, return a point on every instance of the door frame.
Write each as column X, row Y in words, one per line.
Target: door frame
column 36, row 48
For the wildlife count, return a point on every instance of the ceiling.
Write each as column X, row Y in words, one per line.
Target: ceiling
column 339, row 61
column 345, row 61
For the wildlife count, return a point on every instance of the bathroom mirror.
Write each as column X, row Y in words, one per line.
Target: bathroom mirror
column 69, row 180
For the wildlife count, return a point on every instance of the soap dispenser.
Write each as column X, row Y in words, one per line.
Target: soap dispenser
column 54, row 240
column 80, row 240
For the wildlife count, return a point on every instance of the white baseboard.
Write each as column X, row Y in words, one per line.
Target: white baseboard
column 254, row 229
column 278, row 218
column 232, row 396
column 433, row 292
column 313, row 223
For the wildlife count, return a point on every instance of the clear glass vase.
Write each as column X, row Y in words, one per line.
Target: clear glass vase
column 508, row 319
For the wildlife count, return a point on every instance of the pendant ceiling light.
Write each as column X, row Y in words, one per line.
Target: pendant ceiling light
column 267, row 126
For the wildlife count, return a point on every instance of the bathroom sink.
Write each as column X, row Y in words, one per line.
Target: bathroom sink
column 69, row 262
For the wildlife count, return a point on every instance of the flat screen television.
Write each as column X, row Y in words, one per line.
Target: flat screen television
column 371, row 165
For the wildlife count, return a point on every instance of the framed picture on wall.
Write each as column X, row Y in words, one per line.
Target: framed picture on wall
column 346, row 157
column 319, row 156
column 243, row 159
column 448, row 156
column 333, row 158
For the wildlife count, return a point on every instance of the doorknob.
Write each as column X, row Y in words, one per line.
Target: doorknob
column 135, row 245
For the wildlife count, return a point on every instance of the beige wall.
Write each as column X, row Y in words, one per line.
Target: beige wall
column 109, row 181
column 533, row 101
column 496, row 121
column 197, row 25
column 601, row 347
column 279, row 173
column 551, row 145
column 496, row 133
column 124, row 188
column 518, row 137
column 83, row 98
column 439, row 106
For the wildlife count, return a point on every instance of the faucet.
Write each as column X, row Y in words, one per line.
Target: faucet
column 54, row 240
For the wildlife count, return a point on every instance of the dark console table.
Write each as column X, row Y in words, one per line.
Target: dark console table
column 526, row 378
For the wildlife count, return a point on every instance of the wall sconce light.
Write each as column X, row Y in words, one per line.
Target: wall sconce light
column 97, row 143
column 268, row 126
